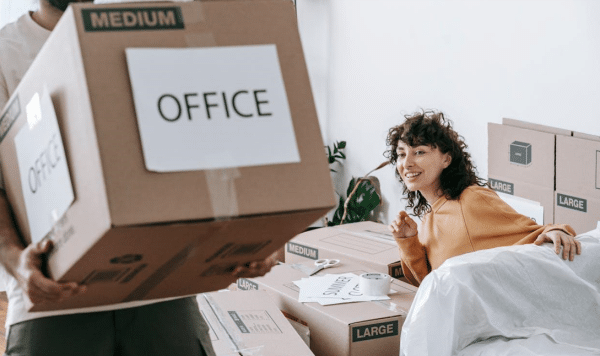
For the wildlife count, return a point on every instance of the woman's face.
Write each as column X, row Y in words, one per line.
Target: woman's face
column 420, row 168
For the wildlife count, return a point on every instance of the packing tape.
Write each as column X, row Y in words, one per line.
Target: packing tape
column 374, row 284
column 222, row 192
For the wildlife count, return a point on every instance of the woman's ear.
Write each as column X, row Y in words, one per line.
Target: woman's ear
column 447, row 160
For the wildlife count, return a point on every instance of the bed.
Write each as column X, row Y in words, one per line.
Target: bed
column 515, row 300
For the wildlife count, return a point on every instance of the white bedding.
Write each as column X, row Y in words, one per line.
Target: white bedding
column 516, row 300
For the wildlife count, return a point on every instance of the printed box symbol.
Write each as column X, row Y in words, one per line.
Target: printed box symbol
column 520, row 153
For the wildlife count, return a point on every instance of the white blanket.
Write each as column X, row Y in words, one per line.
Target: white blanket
column 516, row 300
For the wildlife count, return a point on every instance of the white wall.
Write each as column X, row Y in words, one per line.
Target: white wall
column 477, row 61
column 10, row 10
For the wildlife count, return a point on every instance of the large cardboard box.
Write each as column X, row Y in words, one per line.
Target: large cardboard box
column 352, row 329
column 521, row 161
column 166, row 213
column 578, row 182
column 249, row 323
column 367, row 243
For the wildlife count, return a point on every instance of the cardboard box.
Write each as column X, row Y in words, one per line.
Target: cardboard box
column 249, row 323
column 521, row 161
column 352, row 329
column 542, row 195
column 368, row 243
column 138, row 228
column 577, row 200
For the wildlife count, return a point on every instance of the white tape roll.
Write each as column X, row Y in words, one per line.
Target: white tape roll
column 375, row 284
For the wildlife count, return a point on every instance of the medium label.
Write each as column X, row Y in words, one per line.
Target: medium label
column 131, row 19
column 303, row 251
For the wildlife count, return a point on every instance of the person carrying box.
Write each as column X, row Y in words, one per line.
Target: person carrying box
column 171, row 326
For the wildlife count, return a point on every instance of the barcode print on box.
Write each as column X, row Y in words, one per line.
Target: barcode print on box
column 108, row 275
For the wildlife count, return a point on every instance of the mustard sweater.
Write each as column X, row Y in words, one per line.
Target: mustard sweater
column 478, row 220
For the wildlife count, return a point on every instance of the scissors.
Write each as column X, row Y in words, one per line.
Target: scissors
column 324, row 263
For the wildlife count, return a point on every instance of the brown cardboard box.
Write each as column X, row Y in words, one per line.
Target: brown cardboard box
column 368, row 243
column 352, row 329
column 249, row 323
column 521, row 161
column 133, row 233
column 578, row 182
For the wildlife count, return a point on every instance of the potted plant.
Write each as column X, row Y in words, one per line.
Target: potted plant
column 362, row 195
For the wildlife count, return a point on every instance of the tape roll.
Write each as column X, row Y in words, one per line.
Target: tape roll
column 374, row 284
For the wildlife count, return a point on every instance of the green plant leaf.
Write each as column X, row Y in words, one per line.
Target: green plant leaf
column 364, row 200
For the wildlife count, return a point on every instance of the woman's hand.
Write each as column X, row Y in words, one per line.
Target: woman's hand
column 404, row 226
column 570, row 245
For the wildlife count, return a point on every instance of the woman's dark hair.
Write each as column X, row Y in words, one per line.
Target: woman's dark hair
column 433, row 129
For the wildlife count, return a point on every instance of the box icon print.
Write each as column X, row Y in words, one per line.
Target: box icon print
column 520, row 153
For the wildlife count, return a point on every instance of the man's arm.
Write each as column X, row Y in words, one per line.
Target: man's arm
column 24, row 263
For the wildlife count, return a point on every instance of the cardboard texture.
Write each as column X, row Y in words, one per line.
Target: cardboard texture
column 521, row 162
column 368, row 243
column 134, row 234
column 249, row 323
column 352, row 329
column 577, row 200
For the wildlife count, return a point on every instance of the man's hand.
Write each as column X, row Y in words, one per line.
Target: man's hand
column 570, row 245
column 404, row 226
column 255, row 268
column 35, row 285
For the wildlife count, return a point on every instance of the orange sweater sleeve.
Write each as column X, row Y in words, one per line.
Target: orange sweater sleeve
column 413, row 256
column 491, row 222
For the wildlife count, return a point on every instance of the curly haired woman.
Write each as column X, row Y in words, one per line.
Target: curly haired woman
column 459, row 213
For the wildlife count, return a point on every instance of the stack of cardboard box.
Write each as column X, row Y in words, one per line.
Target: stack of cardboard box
column 368, row 243
column 351, row 329
column 556, row 167
column 249, row 323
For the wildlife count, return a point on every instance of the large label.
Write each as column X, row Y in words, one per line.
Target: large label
column 246, row 284
column 374, row 331
column 45, row 179
column 211, row 108
column 500, row 186
column 131, row 19
column 304, row 251
column 573, row 203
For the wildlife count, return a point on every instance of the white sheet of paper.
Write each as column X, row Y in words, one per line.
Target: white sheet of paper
column 211, row 108
column 45, row 180
column 332, row 289
column 530, row 208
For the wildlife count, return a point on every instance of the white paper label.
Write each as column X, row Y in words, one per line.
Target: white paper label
column 45, row 179
column 211, row 108
column 530, row 208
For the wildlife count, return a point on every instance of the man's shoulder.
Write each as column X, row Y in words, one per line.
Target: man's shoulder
column 11, row 29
